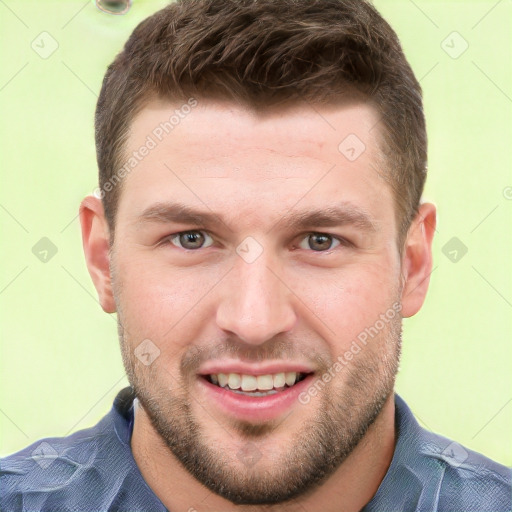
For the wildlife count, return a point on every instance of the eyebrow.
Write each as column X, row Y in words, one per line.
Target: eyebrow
column 329, row 216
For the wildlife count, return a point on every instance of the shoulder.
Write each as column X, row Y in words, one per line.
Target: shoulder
column 49, row 471
column 469, row 480
column 92, row 469
column 457, row 478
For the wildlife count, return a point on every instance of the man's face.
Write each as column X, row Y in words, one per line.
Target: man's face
column 253, row 293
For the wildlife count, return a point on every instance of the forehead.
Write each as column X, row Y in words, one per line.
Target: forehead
column 227, row 156
column 219, row 127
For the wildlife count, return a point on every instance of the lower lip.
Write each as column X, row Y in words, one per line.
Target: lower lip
column 257, row 408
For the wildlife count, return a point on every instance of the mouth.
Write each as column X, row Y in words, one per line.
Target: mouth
column 256, row 385
column 253, row 398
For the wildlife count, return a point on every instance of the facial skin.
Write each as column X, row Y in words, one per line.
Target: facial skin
column 302, row 301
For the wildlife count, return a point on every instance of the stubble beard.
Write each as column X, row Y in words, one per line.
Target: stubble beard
column 317, row 449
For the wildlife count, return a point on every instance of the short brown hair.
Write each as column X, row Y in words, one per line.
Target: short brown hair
column 260, row 53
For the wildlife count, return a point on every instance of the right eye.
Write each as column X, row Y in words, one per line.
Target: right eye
column 188, row 240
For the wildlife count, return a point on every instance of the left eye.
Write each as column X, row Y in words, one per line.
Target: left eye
column 319, row 241
column 190, row 239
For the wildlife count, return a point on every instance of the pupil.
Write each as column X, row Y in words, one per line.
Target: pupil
column 326, row 238
column 192, row 237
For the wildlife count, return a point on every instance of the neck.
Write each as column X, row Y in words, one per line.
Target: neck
column 349, row 488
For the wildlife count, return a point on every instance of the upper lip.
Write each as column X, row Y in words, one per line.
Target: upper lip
column 214, row 367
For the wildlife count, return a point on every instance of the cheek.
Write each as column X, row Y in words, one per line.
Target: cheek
column 347, row 301
column 157, row 300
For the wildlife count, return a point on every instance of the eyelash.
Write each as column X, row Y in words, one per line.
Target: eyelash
column 342, row 241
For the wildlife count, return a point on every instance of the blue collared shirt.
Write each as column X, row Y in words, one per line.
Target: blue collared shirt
column 94, row 470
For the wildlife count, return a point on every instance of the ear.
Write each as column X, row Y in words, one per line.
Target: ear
column 417, row 259
column 95, row 240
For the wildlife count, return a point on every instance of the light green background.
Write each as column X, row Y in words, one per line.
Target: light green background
column 60, row 363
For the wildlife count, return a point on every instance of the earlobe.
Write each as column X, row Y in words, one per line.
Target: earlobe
column 96, row 249
column 417, row 259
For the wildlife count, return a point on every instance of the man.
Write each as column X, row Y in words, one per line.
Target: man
column 260, row 233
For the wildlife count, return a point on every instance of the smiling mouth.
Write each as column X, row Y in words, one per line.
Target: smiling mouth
column 256, row 385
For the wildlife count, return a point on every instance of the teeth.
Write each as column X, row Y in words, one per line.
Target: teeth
column 255, row 393
column 234, row 381
column 243, row 382
column 279, row 380
column 249, row 383
column 223, row 379
column 265, row 382
column 290, row 378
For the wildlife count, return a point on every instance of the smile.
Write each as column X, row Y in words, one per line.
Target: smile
column 254, row 398
column 256, row 385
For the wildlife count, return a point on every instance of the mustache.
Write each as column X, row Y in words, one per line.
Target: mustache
column 271, row 350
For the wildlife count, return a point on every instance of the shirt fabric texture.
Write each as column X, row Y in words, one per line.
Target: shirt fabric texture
column 94, row 470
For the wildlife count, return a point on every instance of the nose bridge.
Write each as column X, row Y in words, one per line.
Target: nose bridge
column 255, row 304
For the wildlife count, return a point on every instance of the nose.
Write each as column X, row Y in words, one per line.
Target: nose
column 255, row 303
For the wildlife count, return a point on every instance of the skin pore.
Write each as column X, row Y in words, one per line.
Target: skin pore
column 302, row 300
